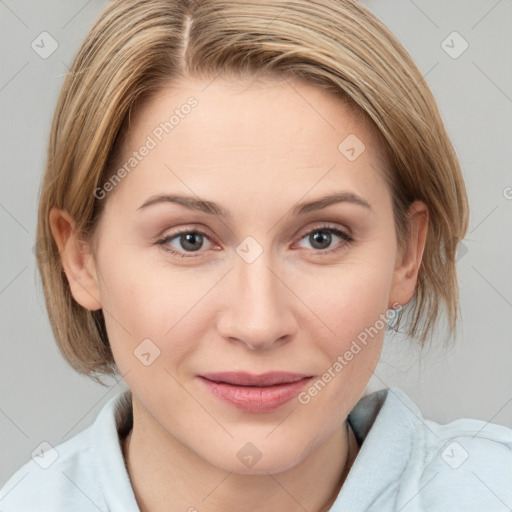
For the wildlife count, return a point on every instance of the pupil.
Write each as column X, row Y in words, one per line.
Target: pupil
column 191, row 240
column 318, row 236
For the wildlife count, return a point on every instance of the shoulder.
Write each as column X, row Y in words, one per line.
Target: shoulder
column 54, row 478
column 462, row 465
column 84, row 473
column 468, row 462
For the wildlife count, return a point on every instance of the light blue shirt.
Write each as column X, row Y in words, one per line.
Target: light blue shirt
column 406, row 463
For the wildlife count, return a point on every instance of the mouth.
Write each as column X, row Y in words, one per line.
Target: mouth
column 255, row 393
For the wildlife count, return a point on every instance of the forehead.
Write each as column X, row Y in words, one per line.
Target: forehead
column 245, row 106
column 260, row 136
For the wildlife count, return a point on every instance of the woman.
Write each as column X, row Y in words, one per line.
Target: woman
column 297, row 146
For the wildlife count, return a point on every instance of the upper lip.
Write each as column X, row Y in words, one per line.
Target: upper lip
column 248, row 379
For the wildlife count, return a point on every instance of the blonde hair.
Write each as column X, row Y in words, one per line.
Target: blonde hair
column 137, row 47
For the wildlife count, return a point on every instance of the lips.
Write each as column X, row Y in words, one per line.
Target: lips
column 255, row 393
column 247, row 379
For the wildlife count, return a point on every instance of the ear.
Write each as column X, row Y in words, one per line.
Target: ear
column 408, row 260
column 77, row 261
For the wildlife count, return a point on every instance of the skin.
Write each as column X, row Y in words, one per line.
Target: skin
column 256, row 149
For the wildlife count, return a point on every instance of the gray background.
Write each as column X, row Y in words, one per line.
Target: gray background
column 42, row 399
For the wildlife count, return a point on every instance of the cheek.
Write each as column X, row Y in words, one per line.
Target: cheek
column 149, row 303
column 350, row 298
column 349, row 328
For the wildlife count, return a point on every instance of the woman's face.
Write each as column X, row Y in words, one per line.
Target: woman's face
column 259, row 273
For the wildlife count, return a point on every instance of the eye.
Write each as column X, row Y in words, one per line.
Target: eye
column 193, row 240
column 188, row 241
column 321, row 238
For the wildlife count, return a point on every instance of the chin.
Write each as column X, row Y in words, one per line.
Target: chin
column 259, row 457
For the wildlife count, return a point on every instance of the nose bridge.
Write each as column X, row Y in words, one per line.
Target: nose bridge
column 256, row 283
column 257, row 309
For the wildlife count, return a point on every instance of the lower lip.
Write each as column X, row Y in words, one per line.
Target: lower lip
column 257, row 398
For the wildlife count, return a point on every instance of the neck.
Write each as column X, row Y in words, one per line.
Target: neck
column 163, row 471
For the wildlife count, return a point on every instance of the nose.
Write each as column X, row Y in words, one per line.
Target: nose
column 257, row 307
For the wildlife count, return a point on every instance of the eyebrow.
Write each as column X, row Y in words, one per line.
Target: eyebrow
column 215, row 209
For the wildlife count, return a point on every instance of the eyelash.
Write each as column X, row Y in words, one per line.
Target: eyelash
column 326, row 228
